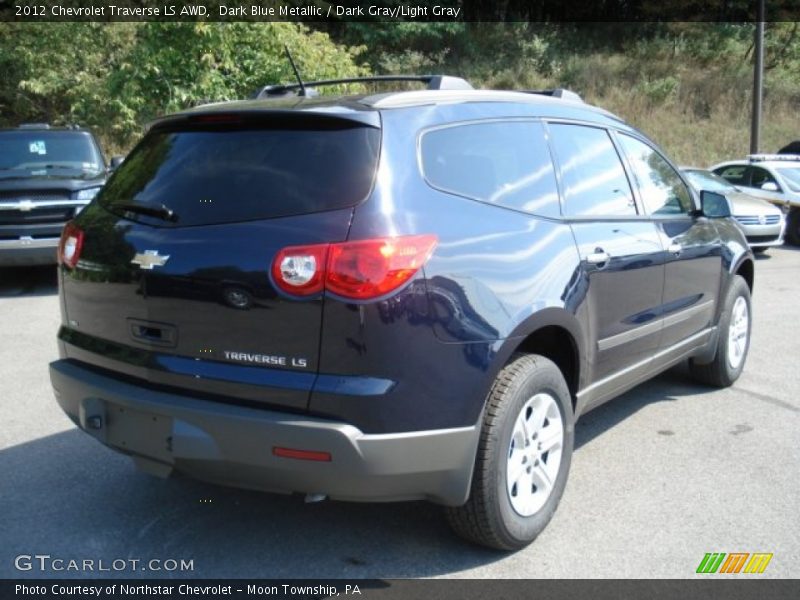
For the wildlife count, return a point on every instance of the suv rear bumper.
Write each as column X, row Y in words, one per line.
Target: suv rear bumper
column 233, row 445
column 26, row 251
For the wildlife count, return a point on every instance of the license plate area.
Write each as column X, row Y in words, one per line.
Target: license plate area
column 129, row 430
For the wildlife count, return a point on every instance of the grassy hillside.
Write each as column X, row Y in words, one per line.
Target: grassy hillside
column 688, row 86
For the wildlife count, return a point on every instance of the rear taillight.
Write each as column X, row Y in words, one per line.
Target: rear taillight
column 300, row 270
column 360, row 270
column 70, row 245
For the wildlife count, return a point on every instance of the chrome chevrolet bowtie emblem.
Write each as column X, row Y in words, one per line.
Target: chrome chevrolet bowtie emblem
column 762, row 219
column 25, row 205
column 149, row 259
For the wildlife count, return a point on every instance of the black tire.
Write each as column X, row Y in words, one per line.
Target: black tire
column 488, row 518
column 793, row 227
column 720, row 372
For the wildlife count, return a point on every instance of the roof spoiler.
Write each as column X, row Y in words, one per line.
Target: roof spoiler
column 434, row 82
column 562, row 93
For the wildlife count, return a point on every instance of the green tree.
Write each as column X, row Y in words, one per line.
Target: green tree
column 177, row 65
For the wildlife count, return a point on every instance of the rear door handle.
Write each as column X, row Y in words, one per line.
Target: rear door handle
column 675, row 249
column 598, row 257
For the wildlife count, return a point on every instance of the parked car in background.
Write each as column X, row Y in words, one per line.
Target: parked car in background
column 771, row 177
column 763, row 223
column 791, row 148
column 47, row 175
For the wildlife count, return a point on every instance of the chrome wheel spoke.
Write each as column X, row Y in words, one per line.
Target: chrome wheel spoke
column 738, row 331
column 534, row 454
column 541, row 478
column 550, row 438
column 515, row 471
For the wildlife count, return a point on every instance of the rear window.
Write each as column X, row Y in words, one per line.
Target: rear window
column 223, row 175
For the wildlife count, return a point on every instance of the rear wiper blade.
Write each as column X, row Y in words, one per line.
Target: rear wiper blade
column 160, row 211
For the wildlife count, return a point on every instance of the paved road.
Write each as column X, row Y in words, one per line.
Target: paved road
column 661, row 476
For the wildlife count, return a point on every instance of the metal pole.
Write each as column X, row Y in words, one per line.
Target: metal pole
column 758, row 81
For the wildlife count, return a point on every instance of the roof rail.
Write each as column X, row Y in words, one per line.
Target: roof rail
column 435, row 82
column 765, row 157
column 562, row 93
column 34, row 126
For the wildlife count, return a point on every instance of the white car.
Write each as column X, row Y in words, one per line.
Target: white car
column 771, row 177
column 763, row 223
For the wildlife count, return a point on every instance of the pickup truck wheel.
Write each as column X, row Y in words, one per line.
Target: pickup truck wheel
column 734, row 338
column 793, row 227
column 523, row 457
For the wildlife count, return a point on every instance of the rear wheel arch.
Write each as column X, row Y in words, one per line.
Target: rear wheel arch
column 555, row 334
column 557, row 344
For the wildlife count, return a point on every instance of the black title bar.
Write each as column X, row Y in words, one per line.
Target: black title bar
column 398, row 10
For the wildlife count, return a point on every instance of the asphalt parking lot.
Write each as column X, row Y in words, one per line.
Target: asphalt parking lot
column 661, row 476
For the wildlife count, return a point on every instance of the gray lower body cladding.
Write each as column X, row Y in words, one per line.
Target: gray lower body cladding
column 233, row 445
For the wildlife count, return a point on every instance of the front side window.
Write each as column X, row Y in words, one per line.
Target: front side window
column 663, row 191
column 759, row 176
column 593, row 179
column 503, row 163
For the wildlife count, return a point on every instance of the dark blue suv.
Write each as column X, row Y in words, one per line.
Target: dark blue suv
column 400, row 296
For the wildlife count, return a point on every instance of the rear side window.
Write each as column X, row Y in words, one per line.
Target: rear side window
column 503, row 163
column 222, row 175
column 735, row 174
column 593, row 178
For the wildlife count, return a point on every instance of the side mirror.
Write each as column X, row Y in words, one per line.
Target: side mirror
column 115, row 162
column 715, row 206
column 770, row 186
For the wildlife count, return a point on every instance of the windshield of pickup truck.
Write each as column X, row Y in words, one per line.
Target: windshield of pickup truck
column 47, row 153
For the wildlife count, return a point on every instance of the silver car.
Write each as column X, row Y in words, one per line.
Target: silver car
column 763, row 223
column 772, row 177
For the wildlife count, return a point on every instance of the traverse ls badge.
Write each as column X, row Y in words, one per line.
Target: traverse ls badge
column 149, row 259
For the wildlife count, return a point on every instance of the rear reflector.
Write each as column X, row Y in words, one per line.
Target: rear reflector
column 358, row 270
column 301, row 454
column 70, row 245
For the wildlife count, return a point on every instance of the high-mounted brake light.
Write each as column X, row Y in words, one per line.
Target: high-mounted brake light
column 70, row 245
column 359, row 270
column 216, row 118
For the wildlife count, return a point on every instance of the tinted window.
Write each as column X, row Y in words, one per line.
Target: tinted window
column 226, row 175
column 50, row 153
column 759, row 177
column 503, row 163
column 734, row 173
column 662, row 189
column 705, row 180
column 593, row 179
